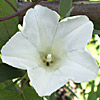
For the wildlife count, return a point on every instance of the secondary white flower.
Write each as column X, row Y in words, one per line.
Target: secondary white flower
column 52, row 52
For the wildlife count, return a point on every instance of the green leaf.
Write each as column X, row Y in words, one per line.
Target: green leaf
column 1, row 44
column 0, row 60
column 92, row 94
column 30, row 94
column 9, row 95
column 96, row 32
column 51, row 97
column 69, row 12
column 27, row 94
column 10, row 85
column 7, row 72
column 98, row 91
column 97, row 25
column 65, row 6
column 2, row 85
column 7, row 27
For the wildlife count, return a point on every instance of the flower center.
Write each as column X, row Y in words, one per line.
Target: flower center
column 48, row 59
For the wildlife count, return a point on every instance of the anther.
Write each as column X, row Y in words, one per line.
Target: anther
column 47, row 63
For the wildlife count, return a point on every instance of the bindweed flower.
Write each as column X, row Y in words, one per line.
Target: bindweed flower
column 52, row 51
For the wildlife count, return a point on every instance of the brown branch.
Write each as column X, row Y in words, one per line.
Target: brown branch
column 11, row 5
column 21, row 11
column 89, row 8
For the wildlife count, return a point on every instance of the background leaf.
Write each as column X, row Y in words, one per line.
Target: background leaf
column 92, row 94
column 7, row 27
column 51, row 97
column 98, row 90
column 7, row 72
column 65, row 6
column 9, row 95
column 30, row 94
column 27, row 94
column 97, row 25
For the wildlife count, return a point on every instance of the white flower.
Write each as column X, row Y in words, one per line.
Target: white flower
column 52, row 52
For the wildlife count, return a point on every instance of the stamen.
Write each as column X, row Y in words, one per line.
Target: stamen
column 48, row 59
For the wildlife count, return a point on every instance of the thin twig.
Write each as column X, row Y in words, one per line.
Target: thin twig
column 11, row 5
column 21, row 11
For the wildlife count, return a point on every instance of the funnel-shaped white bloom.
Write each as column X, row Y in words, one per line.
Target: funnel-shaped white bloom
column 52, row 51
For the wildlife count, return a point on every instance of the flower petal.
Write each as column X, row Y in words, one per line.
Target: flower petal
column 19, row 52
column 84, row 58
column 80, row 67
column 77, row 73
column 40, row 25
column 46, row 82
column 75, row 31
